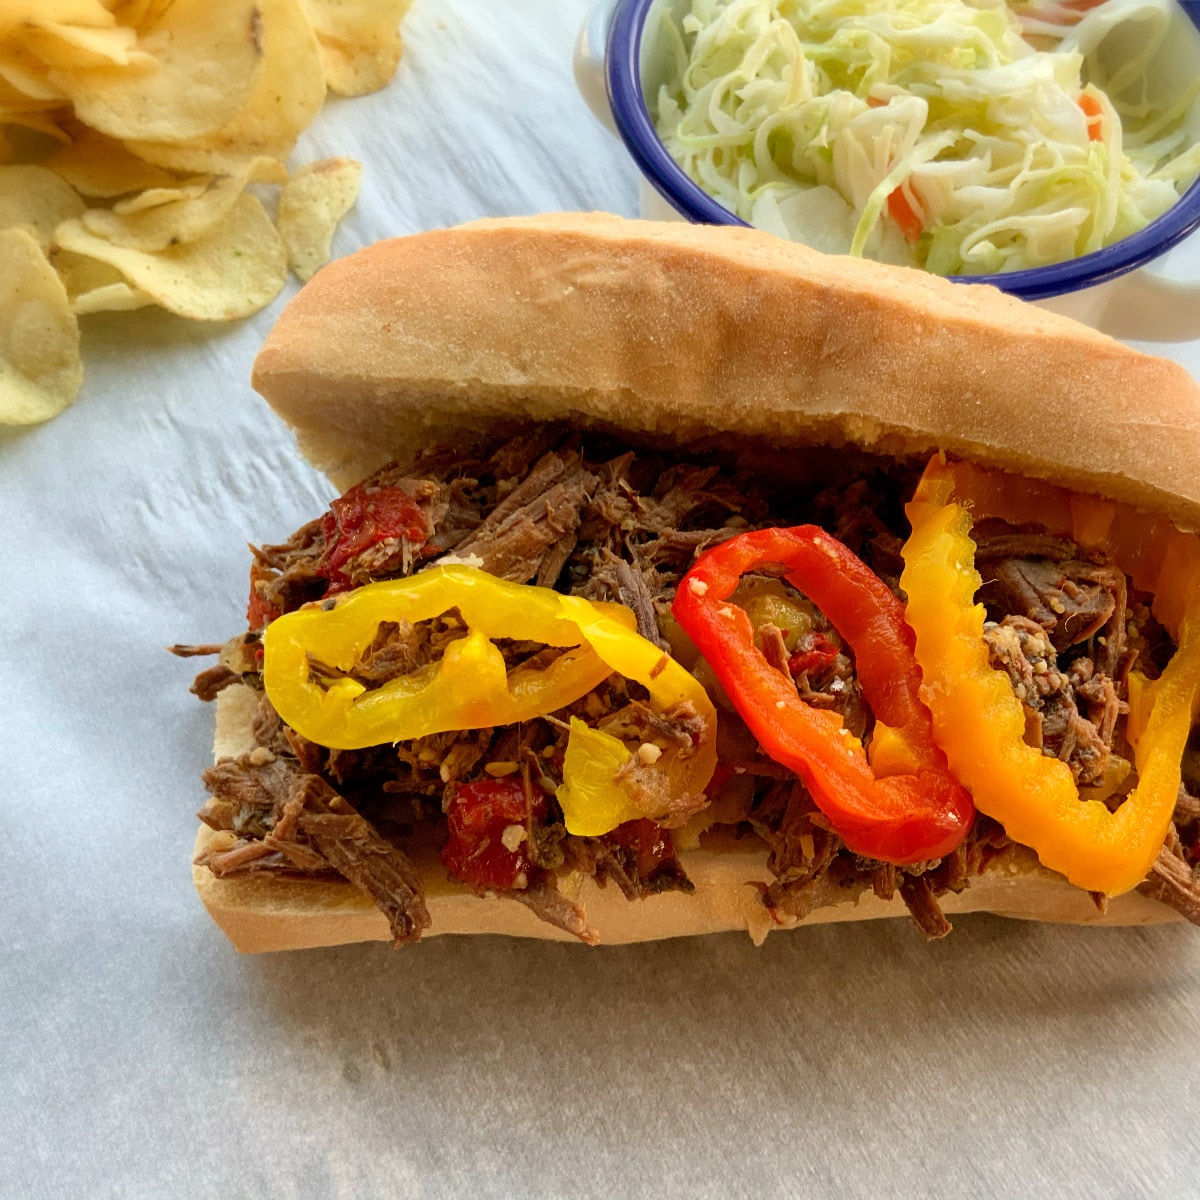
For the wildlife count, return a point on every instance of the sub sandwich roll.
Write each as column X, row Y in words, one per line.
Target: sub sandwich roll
column 688, row 580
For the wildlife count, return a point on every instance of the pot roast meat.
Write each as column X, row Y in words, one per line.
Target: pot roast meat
column 348, row 842
column 1043, row 578
column 213, row 680
column 546, row 902
column 922, row 905
column 287, row 819
column 532, row 521
column 1020, row 647
column 625, row 528
column 1174, row 880
column 632, row 586
column 288, row 575
column 247, row 793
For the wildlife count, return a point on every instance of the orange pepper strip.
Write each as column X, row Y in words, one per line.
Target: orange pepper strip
column 978, row 720
column 1149, row 549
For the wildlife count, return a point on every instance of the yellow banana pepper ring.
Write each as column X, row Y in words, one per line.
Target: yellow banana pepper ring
column 978, row 720
column 469, row 688
column 592, row 800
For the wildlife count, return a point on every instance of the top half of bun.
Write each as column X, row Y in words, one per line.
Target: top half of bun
column 672, row 332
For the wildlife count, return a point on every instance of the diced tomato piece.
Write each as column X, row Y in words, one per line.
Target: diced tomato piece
column 478, row 816
column 259, row 613
column 650, row 845
column 363, row 518
column 815, row 654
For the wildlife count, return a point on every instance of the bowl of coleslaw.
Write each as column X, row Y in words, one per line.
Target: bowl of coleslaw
column 1048, row 147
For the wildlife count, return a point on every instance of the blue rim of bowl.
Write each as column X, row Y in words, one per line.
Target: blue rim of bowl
column 624, row 78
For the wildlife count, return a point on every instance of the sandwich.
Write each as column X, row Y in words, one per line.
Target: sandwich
column 686, row 580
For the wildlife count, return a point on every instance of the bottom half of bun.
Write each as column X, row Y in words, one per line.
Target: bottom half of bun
column 264, row 913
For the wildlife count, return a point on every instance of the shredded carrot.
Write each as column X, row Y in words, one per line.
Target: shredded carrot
column 1094, row 111
column 1064, row 12
column 902, row 212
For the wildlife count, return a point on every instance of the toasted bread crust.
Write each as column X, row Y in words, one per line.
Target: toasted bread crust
column 670, row 333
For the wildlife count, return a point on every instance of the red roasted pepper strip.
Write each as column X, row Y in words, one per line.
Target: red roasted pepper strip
column 905, row 809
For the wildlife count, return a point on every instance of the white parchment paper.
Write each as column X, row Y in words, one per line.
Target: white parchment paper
column 141, row 1057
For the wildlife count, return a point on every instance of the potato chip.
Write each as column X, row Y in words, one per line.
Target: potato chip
column 178, row 215
column 311, row 204
column 360, row 42
column 31, row 135
column 40, row 368
column 140, row 14
column 156, row 197
column 235, row 269
column 113, row 297
column 99, row 166
column 29, row 77
column 289, row 95
column 70, row 46
column 192, row 72
column 15, row 15
column 14, row 103
column 37, row 201
column 93, row 286
column 81, row 275
column 166, row 110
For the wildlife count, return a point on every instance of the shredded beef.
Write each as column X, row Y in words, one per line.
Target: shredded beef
column 1053, row 724
column 1070, row 600
column 288, row 575
column 532, row 522
column 1174, row 879
column 632, row 586
column 926, row 913
column 209, row 683
column 183, row 651
column 608, row 861
column 349, row 843
column 290, row 820
column 813, row 867
column 545, row 901
column 626, row 527
column 1174, row 883
column 247, row 797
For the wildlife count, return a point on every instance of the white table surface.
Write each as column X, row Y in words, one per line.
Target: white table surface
column 140, row 1056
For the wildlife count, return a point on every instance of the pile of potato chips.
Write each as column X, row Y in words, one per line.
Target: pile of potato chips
column 130, row 131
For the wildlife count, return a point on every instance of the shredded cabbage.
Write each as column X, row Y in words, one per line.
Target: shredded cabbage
column 963, row 136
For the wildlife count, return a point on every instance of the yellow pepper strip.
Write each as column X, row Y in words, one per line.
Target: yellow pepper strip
column 592, row 803
column 979, row 722
column 592, row 800
column 1149, row 549
column 469, row 689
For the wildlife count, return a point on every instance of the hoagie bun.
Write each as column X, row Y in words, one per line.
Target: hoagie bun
column 669, row 335
column 677, row 332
